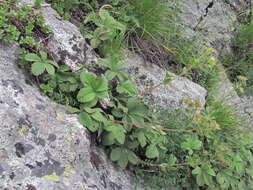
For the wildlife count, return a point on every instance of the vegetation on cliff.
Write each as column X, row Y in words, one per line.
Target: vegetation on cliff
column 191, row 148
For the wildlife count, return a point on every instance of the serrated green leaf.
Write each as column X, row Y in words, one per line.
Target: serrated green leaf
column 43, row 55
column 120, row 136
column 50, row 69
column 152, row 151
column 132, row 157
column 116, row 154
column 100, row 84
column 103, row 94
column 123, row 161
column 192, row 143
column 99, row 116
column 126, row 87
column 142, row 139
column 86, row 95
column 117, row 112
column 118, row 132
column 122, row 76
column 90, row 110
column 87, row 78
column 132, row 144
column 32, row 57
column 90, row 104
column 137, row 107
column 38, row 68
column 207, row 179
column 172, row 160
column 67, row 87
column 52, row 63
column 209, row 171
column 168, row 78
column 108, row 139
column 196, row 171
column 84, row 119
column 110, row 74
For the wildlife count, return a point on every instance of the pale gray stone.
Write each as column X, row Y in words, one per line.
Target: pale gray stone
column 213, row 23
column 66, row 43
column 43, row 148
column 168, row 97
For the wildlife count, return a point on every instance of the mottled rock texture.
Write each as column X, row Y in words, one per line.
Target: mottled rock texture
column 41, row 147
column 168, row 97
column 225, row 92
column 65, row 43
column 69, row 47
column 213, row 23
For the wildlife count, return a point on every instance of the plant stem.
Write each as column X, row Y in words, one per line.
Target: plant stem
column 160, row 165
column 150, row 127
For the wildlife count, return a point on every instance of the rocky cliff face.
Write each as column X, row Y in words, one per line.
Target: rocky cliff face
column 41, row 147
column 213, row 23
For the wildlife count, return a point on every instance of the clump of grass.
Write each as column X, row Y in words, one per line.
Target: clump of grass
column 239, row 63
column 207, row 156
column 156, row 18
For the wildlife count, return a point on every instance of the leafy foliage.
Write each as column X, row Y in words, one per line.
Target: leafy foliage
column 216, row 155
column 185, row 149
column 239, row 63
column 107, row 27
column 41, row 64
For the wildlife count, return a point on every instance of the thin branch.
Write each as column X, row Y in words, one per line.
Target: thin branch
column 150, row 127
column 161, row 165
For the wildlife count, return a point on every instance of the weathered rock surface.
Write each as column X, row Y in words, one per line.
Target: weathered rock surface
column 41, row 147
column 66, row 43
column 69, row 47
column 225, row 92
column 213, row 23
column 169, row 97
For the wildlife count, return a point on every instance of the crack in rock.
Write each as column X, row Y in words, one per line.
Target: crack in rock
column 209, row 6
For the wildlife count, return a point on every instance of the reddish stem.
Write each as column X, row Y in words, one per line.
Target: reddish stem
column 148, row 127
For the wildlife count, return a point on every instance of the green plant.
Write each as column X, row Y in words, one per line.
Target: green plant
column 95, row 88
column 41, row 64
column 216, row 155
column 19, row 23
column 67, row 8
column 8, row 32
column 107, row 27
column 154, row 19
column 115, row 66
column 239, row 63
column 186, row 149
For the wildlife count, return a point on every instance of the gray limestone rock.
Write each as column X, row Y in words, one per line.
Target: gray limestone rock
column 41, row 147
column 212, row 23
column 168, row 97
column 225, row 92
column 66, row 43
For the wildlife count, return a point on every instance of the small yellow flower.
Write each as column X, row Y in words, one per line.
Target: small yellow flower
column 216, row 126
column 212, row 61
column 242, row 78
